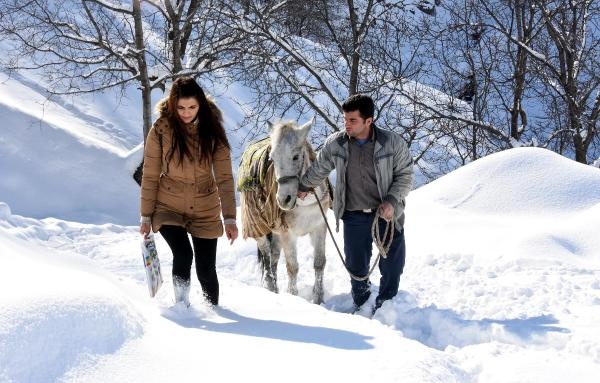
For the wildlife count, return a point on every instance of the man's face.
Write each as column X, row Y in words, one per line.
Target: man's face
column 356, row 126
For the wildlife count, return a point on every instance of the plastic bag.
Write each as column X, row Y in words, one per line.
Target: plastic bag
column 151, row 264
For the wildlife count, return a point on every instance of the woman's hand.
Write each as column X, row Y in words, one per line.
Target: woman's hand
column 145, row 229
column 231, row 231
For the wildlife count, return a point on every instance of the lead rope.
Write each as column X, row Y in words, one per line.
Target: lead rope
column 382, row 245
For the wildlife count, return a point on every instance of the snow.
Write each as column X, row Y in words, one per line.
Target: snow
column 57, row 311
column 518, row 181
column 501, row 284
column 79, row 153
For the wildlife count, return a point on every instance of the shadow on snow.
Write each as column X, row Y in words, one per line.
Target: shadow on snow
column 273, row 329
column 440, row 328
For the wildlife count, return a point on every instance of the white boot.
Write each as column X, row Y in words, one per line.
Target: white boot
column 182, row 291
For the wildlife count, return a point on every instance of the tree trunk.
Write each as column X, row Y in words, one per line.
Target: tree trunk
column 353, row 83
column 578, row 142
column 523, row 34
column 145, row 84
column 174, row 36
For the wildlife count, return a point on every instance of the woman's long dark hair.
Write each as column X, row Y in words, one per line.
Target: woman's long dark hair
column 211, row 133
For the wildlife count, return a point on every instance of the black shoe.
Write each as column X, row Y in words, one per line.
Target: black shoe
column 374, row 309
column 378, row 304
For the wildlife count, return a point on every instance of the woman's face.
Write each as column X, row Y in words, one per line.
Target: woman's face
column 187, row 109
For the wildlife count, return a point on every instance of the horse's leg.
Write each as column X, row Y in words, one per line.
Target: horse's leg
column 268, row 257
column 317, row 238
column 288, row 241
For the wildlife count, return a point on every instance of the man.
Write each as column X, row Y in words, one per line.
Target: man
column 374, row 173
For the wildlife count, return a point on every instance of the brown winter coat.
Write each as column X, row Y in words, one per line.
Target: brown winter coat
column 193, row 195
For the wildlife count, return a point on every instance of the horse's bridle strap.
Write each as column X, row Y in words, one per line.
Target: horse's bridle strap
column 284, row 179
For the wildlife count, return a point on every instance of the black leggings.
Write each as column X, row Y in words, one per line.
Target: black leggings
column 206, row 254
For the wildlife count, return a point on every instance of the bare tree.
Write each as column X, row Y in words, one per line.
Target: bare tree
column 556, row 48
column 86, row 46
column 482, row 72
column 194, row 38
column 89, row 48
column 462, row 67
column 290, row 73
column 569, row 67
column 516, row 23
column 499, row 56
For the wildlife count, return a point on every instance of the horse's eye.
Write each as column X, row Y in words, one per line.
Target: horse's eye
column 295, row 158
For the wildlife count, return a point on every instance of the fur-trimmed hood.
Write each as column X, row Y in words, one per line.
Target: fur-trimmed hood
column 162, row 106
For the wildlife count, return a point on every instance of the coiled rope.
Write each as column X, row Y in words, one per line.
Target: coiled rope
column 383, row 245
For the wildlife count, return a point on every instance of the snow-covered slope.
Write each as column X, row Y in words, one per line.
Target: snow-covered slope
column 530, row 203
column 66, row 321
column 55, row 310
column 518, row 181
column 71, row 157
column 66, row 159
column 490, row 293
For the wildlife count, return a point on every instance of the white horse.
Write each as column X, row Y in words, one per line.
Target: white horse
column 290, row 156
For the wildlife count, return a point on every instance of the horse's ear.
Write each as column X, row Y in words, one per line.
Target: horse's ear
column 270, row 125
column 304, row 129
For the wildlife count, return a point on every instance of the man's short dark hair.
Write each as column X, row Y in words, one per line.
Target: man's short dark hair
column 361, row 102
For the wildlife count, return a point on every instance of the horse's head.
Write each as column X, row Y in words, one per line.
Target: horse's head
column 289, row 156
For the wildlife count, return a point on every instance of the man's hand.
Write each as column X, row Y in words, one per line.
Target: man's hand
column 145, row 229
column 302, row 195
column 231, row 231
column 386, row 211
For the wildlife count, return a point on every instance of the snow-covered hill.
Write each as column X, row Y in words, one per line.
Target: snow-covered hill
column 493, row 291
column 72, row 157
column 502, row 281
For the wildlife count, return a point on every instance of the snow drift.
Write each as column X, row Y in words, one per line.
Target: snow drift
column 56, row 313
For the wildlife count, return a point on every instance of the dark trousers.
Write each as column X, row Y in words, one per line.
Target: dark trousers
column 358, row 245
column 205, row 251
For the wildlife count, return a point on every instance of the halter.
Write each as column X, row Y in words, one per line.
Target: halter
column 285, row 179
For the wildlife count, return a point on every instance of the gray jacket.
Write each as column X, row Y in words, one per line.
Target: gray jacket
column 393, row 170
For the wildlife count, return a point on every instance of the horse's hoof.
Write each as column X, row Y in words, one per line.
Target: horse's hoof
column 318, row 299
column 271, row 286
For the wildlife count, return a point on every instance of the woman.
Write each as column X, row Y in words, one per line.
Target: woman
column 187, row 184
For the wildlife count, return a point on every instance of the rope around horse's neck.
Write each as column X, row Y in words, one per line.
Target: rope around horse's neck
column 382, row 245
